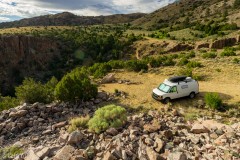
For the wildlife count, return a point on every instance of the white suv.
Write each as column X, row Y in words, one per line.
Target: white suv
column 176, row 87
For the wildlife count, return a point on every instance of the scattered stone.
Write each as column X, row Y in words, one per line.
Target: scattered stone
column 108, row 78
column 75, row 137
column 65, row 153
column 177, row 156
column 199, row 128
column 158, row 145
column 112, row 131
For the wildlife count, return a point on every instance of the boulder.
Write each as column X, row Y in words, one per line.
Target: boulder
column 152, row 155
column 109, row 156
column 59, row 125
column 43, row 153
column 108, row 78
column 63, row 138
column 75, row 137
column 158, row 145
column 112, row 131
column 19, row 113
column 177, row 156
column 102, row 95
column 65, row 153
column 198, row 128
column 31, row 155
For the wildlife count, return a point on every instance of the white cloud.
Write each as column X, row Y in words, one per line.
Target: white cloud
column 4, row 19
column 33, row 8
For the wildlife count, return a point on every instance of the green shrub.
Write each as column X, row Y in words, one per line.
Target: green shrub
column 228, row 52
column 32, row 91
column 116, row 64
column 236, row 61
column 107, row 117
column 213, row 100
column 189, row 73
column 209, row 55
column 183, row 61
column 136, row 65
column 236, row 4
column 76, row 123
column 75, row 85
column 99, row 70
column 194, row 64
column 186, row 72
column 191, row 54
column 8, row 102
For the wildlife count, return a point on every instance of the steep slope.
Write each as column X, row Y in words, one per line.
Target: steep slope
column 69, row 19
column 193, row 10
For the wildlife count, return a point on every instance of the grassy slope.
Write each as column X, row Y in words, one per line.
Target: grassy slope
column 221, row 76
column 196, row 11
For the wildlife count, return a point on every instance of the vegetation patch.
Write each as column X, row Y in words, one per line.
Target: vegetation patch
column 213, row 101
column 194, row 64
column 32, row 91
column 10, row 152
column 209, row 55
column 75, row 85
column 228, row 52
column 76, row 123
column 110, row 116
column 8, row 102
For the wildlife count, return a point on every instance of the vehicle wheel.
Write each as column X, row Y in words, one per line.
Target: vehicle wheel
column 192, row 95
column 166, row 100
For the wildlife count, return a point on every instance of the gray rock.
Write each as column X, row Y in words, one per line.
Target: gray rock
column 158, row 145
column 31, row 156
column 199, row 128
column 43, row 153
column 112, row 131
column 19, row 113
column 109, row 156
column 108, row 78
column 75, row 137
column 177, row 156
column 65, row 153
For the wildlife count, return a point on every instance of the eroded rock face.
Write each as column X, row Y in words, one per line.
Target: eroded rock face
column 24, row 56
column 220, row 44
column 180, row 47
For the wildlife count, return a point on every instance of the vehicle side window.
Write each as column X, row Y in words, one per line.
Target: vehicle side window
column 173, row 89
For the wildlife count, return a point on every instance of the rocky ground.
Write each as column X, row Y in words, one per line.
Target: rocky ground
column 41, row 130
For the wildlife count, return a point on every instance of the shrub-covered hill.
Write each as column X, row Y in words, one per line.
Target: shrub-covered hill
column 69, row 19
column 185, row 13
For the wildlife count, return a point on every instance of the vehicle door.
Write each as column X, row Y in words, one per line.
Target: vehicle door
column 174, row 93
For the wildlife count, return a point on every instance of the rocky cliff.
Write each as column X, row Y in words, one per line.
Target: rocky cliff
column 25, row 56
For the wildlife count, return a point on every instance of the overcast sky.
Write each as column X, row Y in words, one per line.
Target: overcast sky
column 17, row 9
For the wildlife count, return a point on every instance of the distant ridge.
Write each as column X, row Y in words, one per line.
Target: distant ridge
column 70, row 19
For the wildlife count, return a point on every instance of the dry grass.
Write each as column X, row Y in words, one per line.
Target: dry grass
column 222, row 76
column 21, row 30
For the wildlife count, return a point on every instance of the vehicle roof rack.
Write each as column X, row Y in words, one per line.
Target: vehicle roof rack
column 177, row 79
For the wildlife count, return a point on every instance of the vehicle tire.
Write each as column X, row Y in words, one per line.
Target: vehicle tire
column 166, row 100
column 192, row 95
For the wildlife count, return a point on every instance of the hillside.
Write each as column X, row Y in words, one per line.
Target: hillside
column 77, row 88
column 175, row 15
column 69, row 19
